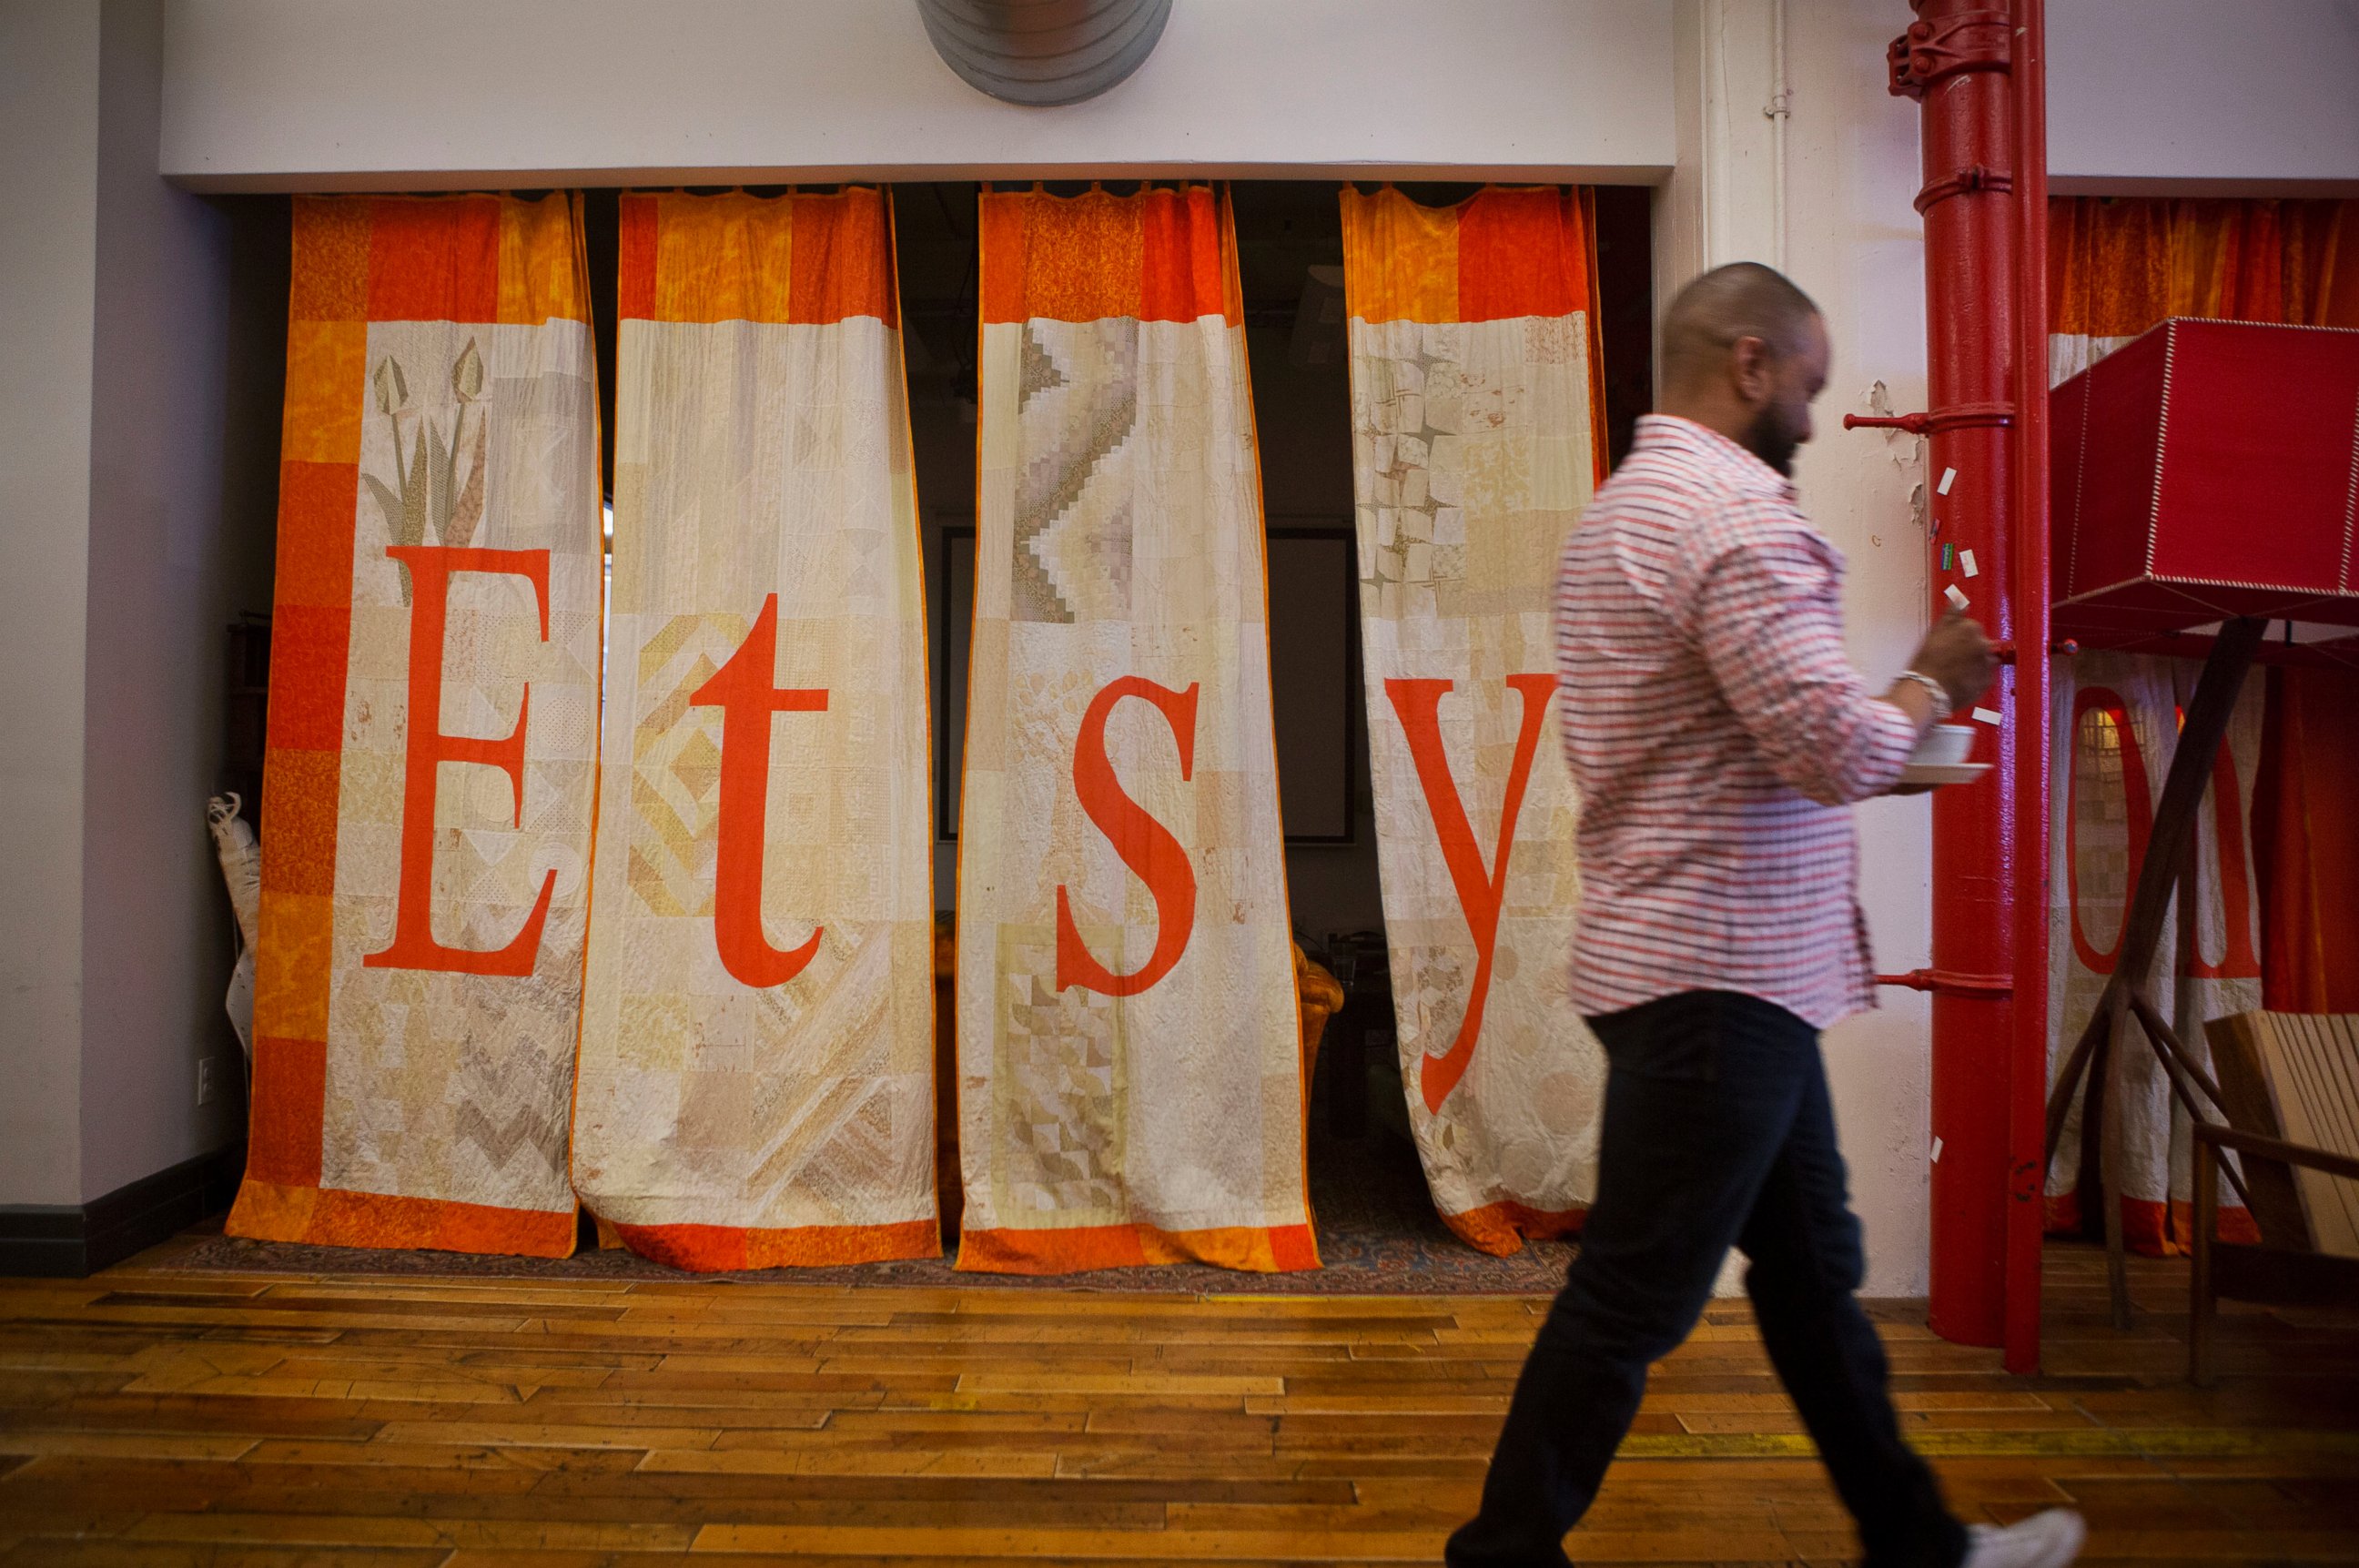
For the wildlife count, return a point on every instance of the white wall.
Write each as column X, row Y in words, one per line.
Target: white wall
column 1848, row 235
column 48, row 175
column 2248, row 97
column 1855, row 244
column 306, row 93
column 2252, row 95
column 286, row 94
column 155, row 927
column 114, row 587
column 360, row 94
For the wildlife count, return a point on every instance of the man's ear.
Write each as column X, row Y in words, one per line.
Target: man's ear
column 1752, row 370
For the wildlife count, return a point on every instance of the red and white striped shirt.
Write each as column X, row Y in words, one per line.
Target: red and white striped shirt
column 1718, row 736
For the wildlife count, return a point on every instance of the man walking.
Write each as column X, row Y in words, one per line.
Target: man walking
column 1718, row 736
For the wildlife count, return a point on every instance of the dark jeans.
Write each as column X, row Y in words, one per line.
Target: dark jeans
column 1717, row 1131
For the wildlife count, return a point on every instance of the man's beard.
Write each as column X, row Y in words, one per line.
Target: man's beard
column 1771, row 440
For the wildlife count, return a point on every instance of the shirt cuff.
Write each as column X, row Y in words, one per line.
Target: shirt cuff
column 1895, row 738
column 1938, row 694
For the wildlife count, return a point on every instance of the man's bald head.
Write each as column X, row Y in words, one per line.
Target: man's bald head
column 1742, row 299
column 1744, row 353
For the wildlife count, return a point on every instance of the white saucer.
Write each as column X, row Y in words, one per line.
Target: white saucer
column 1944, row 772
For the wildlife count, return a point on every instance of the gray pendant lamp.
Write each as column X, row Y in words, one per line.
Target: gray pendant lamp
column 1044, row 52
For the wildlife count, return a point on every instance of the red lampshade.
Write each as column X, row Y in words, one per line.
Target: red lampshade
column 2206, row 470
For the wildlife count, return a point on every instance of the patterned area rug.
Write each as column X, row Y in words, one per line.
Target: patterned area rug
column 1377, row 1236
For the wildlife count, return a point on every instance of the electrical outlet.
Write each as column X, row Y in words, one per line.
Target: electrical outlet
column 206, row 1079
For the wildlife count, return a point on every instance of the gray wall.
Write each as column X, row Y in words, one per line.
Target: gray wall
column 155, row 943
column 2244, row 97
column 138, row 487
column 48, row 173
column 360, row 94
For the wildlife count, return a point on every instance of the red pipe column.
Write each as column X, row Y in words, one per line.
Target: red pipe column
column 2028, row 715
column 1954, row 59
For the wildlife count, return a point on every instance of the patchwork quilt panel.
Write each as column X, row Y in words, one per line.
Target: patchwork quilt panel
column 757, row 1073
column 432, row 726
column 1129, row 1080
column 1476, row 441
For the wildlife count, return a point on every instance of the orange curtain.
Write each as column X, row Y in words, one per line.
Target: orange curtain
column 2307, row 840
column 2115, row 267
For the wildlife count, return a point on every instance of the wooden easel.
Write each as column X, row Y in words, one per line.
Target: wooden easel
column 2130, row 991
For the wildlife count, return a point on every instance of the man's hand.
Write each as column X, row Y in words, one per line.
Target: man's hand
column 1956, row 654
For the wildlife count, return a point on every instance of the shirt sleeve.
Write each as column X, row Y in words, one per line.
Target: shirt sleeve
column 1767, row 615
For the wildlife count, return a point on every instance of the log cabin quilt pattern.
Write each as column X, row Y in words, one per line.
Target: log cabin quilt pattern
column 1129, row 1081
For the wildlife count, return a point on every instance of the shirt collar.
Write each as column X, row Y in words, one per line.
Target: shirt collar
column 1747, row 473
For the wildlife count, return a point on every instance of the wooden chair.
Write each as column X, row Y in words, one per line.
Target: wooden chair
column 2289, row 1083
column 1318, row 997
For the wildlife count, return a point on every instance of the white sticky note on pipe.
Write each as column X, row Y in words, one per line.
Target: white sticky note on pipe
column 1949, row 478
column 1956, row 598
column 1985, row 716
column 1966, row 563
column 1937, row 1151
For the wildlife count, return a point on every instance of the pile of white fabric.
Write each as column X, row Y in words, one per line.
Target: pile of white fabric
column 241, row 866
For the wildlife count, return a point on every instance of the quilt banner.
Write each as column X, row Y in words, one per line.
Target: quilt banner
column 1477, row 438
column 1129, row 1087
column 433, row 718
column 2117, row 266
column 757, row 1071
column 2117, row 723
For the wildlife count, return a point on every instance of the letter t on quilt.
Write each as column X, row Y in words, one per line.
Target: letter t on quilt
column 1476, row 439
column 1128, row 1081
column 757, row 1076
column 433, row 717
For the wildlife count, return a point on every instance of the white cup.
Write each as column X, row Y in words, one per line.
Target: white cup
column 1944, row 745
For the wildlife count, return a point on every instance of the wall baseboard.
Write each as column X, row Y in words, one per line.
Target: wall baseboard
column 74, row 1241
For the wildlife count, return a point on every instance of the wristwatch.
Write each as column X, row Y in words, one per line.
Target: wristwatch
column 1942, row 706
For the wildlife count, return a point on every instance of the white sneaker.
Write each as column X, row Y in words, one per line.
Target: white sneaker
column 2048, row 1539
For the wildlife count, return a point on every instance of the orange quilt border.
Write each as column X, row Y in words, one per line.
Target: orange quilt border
column 336, row 1217
column 1073, row 1250
column 2152, row 1229
column 720, row 1250
column 1502, row 1228
column 1162, row 255
column 805, row 258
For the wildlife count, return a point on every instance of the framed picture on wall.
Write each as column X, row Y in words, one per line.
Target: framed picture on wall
column 1314, row 677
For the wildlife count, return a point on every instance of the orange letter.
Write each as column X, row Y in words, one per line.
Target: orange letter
column 2115, row 713
column 414, row 947
column 1480, row 893
column 745, row 689
column 1145, row 844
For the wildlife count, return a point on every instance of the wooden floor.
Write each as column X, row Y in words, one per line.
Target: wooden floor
column 153, row 1418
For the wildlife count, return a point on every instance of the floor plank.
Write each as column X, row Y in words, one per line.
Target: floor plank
column 152, row 1418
